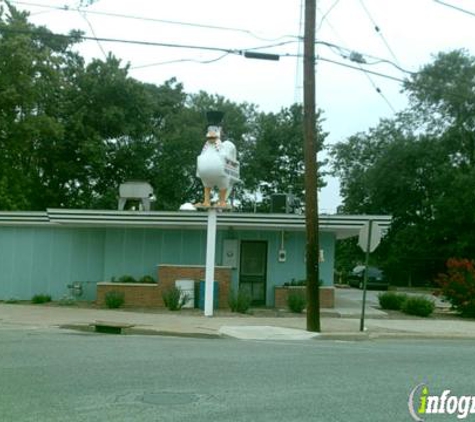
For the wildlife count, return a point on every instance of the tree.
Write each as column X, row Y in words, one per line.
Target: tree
column 274, row 160
column 32, row 80
column 419, row 167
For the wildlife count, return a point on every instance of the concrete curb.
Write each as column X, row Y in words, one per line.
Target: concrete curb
column 141, row 331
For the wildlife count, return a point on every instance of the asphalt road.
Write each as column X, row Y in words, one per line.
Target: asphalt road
column 53, row 375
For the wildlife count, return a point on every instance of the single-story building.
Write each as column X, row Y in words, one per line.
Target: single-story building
column 47, row 252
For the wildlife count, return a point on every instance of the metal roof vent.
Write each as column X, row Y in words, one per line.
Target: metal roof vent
column 137, row 191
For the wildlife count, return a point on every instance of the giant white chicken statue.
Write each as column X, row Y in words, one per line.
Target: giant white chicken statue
column 217, row 165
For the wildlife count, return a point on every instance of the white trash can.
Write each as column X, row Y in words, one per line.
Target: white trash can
column 187, row 287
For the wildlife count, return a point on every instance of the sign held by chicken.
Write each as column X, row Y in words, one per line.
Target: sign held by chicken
column 217, row 165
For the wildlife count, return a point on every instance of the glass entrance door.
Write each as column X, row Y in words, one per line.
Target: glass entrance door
column 253, row 270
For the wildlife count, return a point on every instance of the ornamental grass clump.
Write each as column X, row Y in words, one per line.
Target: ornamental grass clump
column 174, row 299
column 296, row 301
column 458, row 286
column 239, row 301
column 114, row 299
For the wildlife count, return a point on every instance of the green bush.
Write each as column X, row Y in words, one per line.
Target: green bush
column 392, row 300
column 41, row 298
column 147, row 279
column 296, row 301
column 127, row 279
column 418, row 305
column 239, row 301
column 174, row 299
column 114, row 299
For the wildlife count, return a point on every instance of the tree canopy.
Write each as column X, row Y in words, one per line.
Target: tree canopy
column 72, row 131
column 420, row 168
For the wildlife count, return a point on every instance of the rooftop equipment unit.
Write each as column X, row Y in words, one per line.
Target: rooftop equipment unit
column 141, row 191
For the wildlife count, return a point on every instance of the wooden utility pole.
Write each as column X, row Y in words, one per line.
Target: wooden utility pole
column 311, row 168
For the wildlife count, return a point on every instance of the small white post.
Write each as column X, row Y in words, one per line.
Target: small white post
column 210, row 256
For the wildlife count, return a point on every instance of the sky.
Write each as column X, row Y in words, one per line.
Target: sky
column 409, row 33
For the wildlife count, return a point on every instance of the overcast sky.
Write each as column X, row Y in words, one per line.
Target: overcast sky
column 410, row 33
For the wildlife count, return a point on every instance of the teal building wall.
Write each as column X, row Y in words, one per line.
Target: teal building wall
column 46, row 259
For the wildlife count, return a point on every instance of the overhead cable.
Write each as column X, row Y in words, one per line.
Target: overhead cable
column 149, row 19
column 455, row 7
column 378, row 30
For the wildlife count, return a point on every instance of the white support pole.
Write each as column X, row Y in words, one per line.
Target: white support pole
column 210, row 256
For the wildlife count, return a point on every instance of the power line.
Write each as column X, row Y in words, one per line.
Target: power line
column 361, row 69
column 140, row 42
column 83, row 15
column 355, row 56
column 325, row 15
column 455, row 7
column 377, row 29
column 239, row 52
column 148, row 19
column 222, row 56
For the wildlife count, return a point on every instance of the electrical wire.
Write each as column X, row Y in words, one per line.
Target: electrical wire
column 346, row 53
column 184, row 46
column 455, row 7
column 298, row 67
column 83, row 15
column 180, row 61
column 367, row 75
column 325, row 15
column 148, row 19
column 123, row 41
column 361, row 69
column 378, row 30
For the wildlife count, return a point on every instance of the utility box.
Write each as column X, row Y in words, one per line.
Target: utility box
column 279, row 203
column 187, row 289
column 201, row 301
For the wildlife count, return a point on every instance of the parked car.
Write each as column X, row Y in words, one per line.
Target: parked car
column 376, row 279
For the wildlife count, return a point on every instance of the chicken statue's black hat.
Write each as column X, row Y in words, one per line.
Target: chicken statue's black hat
column 214, row 117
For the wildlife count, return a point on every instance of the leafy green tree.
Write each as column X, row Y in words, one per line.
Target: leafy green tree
column 32, row 80
column 274, row 161
column 419, row 167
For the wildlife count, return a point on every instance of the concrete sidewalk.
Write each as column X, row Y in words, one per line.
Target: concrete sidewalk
column 341, row 323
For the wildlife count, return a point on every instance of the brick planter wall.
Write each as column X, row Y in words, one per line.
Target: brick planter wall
column 167, row 274
column 135, row 294
column 150, row 295
column 327, row 296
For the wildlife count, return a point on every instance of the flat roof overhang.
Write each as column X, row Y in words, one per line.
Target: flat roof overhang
column 343, row 226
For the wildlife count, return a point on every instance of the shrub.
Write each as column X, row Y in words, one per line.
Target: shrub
column 41, row 298
column 296, row 301
column 127, row 279
column 392, row 300
column 174, row 299
column 114, row 299
column 239, row 301
column 418, row 305
column 458, row 285
column 147, row 279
